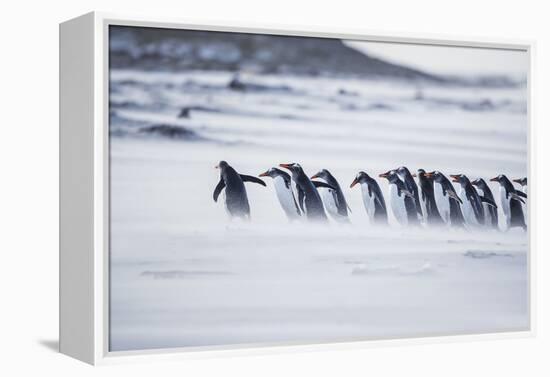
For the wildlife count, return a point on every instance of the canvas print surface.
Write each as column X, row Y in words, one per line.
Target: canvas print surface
column 285, row 190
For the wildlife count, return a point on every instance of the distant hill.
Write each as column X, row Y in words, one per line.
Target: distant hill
column 174, row 50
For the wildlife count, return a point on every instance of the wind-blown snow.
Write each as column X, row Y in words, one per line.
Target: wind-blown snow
column 182, row 274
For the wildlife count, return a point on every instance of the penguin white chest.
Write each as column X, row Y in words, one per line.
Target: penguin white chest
column 286, row 197
column 398, row 205
column 486, row 208
column 368, row 200
column 467, row 209
column 442, row 202
column 505, row 204
column 329, row 201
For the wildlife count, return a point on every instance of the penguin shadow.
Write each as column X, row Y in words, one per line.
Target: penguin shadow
column 50, row 344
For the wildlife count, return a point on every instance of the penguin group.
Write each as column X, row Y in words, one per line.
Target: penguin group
column 431, row 199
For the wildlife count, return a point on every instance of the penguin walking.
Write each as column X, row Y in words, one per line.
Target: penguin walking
column 448, row 202
column 427, row 199
column 334, row 200
column 285, row 194
column 401, row 199
column 523, row 183
column 511, row 200
column 491, row 212
column 309, row 199
column 373, row 199
column 472, row 202
column 236, row 200
column 407, row 178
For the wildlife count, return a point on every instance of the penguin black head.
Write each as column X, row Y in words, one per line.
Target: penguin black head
column 501, row 178
column 361, row 177
column 323, row 174
column 521, row 181
column 480, row 182
column 273, row 173
column 460, row 178
column 420, row 173
column 222, row 165
column 436, row 175
column 390, row 175
column 293, row 167
column 403, row 171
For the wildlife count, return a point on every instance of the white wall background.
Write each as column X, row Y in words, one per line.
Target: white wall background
column 29, row 188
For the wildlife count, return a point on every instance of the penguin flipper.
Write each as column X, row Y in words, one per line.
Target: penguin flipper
column 340, row 206
column 301, row 197
column 453, row 196
column 407, row 193
column 521, row 193
column 322, row 184
column 298, row 211
column 515, row 196
column 249, row 178
column 379, row 203
column 488, row 201
column 217, row 191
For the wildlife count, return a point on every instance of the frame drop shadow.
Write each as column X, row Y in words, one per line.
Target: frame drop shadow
column 52, row 345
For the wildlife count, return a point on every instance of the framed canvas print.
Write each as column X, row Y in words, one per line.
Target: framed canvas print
column 233, row 188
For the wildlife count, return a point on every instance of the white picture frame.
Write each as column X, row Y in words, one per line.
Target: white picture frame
column 84, row 183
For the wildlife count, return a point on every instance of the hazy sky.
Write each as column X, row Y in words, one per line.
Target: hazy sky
column 449, row 60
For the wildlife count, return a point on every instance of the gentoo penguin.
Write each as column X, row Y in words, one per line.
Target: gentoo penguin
column 283, row 188
column 448, row 202
column 472, row 203
column 308, row 197
column 427, row 198
column 523, row 183
column 411, row 186
column 236, row 200
column 511, row 200
column 401, row 199
column 491, row 212
column 334, row 200
column 372, row 198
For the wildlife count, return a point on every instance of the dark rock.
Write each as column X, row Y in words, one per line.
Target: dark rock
column 184, row 113
column 241, row 86
column 381, row 106
column 171, row 131
column 344, row 92
column 483, row 105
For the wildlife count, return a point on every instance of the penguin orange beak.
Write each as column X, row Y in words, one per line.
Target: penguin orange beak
column 314, row 176
column 355, row 181
column 384, row 175
column 264, row 174
column 454, row 177
column 495, row 179
column 286, row 166
column 429, row 175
